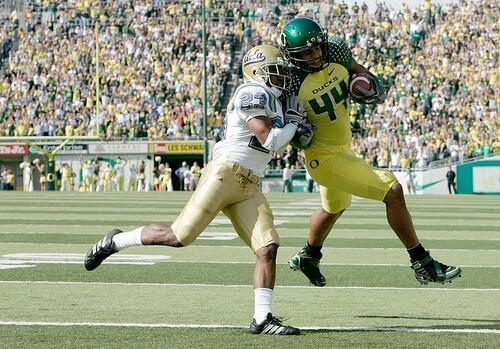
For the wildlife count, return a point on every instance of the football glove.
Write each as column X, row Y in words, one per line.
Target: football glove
column 294, row 113
column 378, row 94
column 303, row 136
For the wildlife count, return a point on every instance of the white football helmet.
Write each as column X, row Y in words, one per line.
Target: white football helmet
column 265, row 64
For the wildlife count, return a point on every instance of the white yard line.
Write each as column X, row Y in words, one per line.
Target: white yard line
column 423, row 288
column 216, row 326
column 112, row 261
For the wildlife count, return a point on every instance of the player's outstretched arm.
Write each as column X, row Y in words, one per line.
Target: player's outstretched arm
column 375, row 94
column 271, row 138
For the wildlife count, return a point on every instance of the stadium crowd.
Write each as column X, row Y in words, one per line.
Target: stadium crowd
column 149, row 68
column 440, row 62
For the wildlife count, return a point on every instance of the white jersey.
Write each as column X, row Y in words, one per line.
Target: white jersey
column 239, row 144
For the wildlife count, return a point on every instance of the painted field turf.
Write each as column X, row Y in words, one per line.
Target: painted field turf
column 201, row 296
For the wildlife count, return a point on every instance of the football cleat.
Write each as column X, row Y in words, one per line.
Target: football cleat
column 429, row 270
column 309, row 266
column 101, row 250
column 272, row 325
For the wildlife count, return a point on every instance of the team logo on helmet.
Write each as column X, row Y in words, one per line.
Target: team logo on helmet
column 283, row 40
column 253, row 57
column 265, row 64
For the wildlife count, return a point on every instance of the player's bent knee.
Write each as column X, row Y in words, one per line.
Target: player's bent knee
column 333, row 214
column 186, row 240
column 329, row 216
column 395, row 194
column 267, row 253
column 185, row 234
column 160, row 234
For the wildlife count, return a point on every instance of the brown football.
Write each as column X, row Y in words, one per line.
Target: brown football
column 361, row 86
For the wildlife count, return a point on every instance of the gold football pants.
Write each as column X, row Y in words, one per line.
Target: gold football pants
column 226, row 186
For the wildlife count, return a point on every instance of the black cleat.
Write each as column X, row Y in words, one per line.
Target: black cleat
column 429, row 270
column 272, row 325
column 101, row 250
column 309, row 266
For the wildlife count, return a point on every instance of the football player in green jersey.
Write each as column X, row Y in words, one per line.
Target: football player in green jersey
column 323, row 69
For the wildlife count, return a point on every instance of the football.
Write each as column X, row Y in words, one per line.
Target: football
column 361, row 86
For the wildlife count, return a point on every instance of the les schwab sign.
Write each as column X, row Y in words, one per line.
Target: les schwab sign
column 178, row 148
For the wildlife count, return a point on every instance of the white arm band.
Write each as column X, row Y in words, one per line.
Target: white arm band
column 279, row 137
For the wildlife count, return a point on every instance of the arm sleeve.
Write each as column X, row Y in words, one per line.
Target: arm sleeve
column 339, row 52
column 279, row 137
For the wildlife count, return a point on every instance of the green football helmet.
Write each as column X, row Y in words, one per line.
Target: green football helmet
column 302, row 34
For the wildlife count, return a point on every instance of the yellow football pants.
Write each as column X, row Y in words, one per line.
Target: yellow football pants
column 341, row 174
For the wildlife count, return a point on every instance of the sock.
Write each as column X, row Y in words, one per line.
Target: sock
column 314, row 251
column 417, row 253
column 128, row 238
column 263, row 301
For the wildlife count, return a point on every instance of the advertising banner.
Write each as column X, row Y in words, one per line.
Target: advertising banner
column 195, row 147
column 13, row 149
column 76, row 148
column 118, row 148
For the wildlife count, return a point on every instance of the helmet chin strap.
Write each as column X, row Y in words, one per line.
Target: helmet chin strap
column 276, row 91
column 303, row 65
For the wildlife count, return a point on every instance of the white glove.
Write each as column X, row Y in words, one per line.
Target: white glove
column 294, row 111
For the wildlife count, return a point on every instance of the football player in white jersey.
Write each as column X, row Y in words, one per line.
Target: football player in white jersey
column 256, row 124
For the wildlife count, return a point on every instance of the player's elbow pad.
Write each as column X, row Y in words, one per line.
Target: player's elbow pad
column 279, row 137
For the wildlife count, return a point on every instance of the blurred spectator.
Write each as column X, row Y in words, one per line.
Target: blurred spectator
column 142, row 185
column 41, row 172
column 187, row 179
column 410, row 181
column 8, row 180
column 132, row 184
column 450, row 178
column 120, row 174
column 166, row 177
column 181, row 173
column 195, row 176
column 287, row 178
column 66, row 174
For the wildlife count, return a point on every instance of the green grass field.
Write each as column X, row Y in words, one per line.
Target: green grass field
column 201, row 296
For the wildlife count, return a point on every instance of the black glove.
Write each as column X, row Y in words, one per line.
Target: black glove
column 303, row 136
column 378, row 95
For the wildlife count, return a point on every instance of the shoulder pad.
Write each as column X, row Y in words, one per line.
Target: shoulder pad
column 339, row 52
column 252, row 100
column 296, row 78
